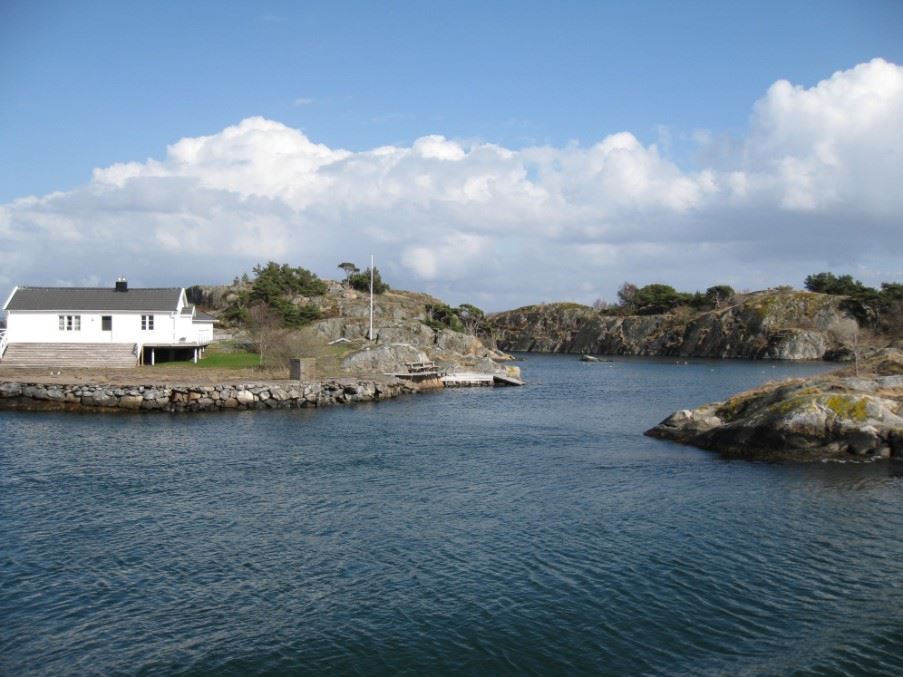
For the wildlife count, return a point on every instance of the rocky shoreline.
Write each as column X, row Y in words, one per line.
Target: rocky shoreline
column 830, row 416
column 199, row 398
column 776, row 325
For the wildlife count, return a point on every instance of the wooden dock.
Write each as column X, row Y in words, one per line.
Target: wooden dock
column 422, row 371
column 419, row 371
column 467, row 379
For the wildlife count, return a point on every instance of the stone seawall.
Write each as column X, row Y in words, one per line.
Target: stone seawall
column 186, row 398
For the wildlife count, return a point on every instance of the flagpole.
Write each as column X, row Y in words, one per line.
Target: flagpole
column 370, row 335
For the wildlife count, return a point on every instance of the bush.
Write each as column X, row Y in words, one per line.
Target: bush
column 828, row 283
column 466, row 318
column 273, row 286
column 274, row 280
column 719, row 295
column 658, row 298
column 361, row 281
column 442, row 316
column 295, row 316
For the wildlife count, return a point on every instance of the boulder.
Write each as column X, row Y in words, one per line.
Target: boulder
column 456, row 342
column 821, row 416
column 384, row 359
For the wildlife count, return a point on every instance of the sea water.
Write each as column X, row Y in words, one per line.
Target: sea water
column 528, row 530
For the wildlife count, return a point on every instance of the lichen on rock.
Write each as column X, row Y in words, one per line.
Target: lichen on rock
column 822, row 416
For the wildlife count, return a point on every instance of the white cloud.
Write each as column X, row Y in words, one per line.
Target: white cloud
column 815, row 181
column 836, row 144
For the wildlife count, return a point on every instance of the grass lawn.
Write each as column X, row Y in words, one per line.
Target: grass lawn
column 239, row 360
column 232, row 356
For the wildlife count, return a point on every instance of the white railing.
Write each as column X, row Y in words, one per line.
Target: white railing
column 3, row 342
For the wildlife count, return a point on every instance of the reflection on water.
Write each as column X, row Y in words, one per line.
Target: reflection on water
column 530, row 529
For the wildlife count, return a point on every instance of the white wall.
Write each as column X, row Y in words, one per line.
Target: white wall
column 204, row 331
column 43, row 327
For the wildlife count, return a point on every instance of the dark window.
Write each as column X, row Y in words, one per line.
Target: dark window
column 106, row 322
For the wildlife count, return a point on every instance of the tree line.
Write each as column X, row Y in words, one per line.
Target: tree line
column 879, row 308
column 654, row 299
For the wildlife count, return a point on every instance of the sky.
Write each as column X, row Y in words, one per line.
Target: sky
column 493, row 153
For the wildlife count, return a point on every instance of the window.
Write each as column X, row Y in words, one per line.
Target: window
column 106, row 323
column 147, row 322
column 70, row 322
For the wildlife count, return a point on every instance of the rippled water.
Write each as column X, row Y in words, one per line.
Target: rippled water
column 508, row 530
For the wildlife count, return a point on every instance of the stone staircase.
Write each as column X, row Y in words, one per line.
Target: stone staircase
column 71, row 355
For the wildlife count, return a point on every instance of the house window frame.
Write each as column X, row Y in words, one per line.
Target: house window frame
column 106, row 323
column 147, row 323
column 70, row 322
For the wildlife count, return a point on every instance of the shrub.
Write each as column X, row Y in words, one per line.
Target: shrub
column 361, row 281
column 719, row 295
column 466, row 318
column 274, row 280
column 272, row 288
column 657, row 298
column 828, row 283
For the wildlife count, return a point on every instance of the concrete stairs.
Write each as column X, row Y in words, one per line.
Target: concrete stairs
column 71, row 355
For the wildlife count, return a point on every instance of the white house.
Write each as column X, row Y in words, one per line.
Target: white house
column 111, row 327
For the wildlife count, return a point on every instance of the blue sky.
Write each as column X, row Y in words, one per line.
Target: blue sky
column 87, row 85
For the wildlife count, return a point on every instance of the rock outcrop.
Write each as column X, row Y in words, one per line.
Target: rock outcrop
column 399, row 318
column 384, row 359
column 834, row 415
column 783, row 325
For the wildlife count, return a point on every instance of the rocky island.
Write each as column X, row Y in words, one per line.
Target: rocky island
column 771, row 324
column 263, row 323
column 837, row 415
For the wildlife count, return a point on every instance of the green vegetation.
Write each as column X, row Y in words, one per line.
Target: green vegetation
column 657, row 298
column 277, row 286
column 442, row 316
column 349, row 269
column 719, row 294
column 566, row 305
column 237, row 360
column 466, row 318
column 828, row 283
column 880, row 309
column 273, row 281
column 361, row 281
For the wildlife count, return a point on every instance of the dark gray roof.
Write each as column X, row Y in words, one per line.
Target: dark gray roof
column 203, row 317
column 94, row 298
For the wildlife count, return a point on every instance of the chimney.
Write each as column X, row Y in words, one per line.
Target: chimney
column 122, row 284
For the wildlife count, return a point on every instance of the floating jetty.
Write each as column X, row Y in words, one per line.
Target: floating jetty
column 467, row 379
column 476, row 379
